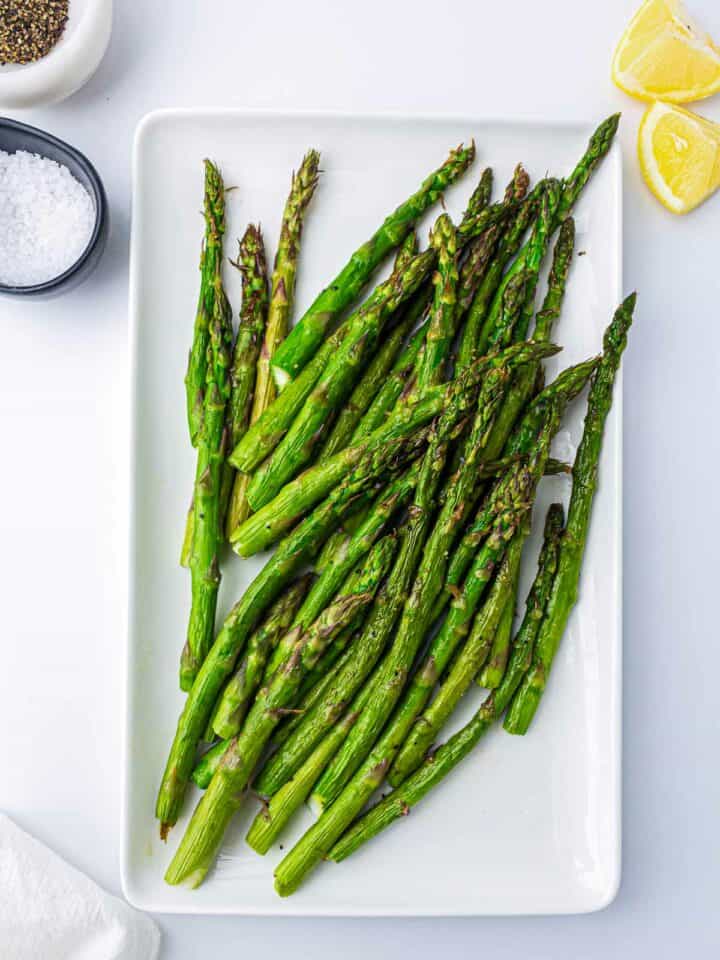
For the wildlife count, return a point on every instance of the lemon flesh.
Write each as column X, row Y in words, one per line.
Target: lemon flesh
column 665, row 55
column 679, row 156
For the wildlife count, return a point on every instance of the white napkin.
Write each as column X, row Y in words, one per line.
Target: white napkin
column 51, row 911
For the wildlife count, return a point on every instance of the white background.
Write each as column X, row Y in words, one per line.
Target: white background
column 63, row 412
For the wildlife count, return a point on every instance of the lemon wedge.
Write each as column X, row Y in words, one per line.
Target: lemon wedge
column 664, row 55
column 679, row 156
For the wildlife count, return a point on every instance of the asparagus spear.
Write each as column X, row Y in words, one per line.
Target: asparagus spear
column 481, row 250
column 307, row 697
column 309, row 332
column 477, row 260
column 480, row 197
column 282, row 294
column 366, row 391
column 316, row 722
column 203, row 559
column 557, row 281
column 280, row 308
column 399, row 803
column 321, row 837
column 251, row 263
column 508, row 504
column 525, row 380
column 528, row 262
column 466, row 666
column 560, row 392
column 210, row 263
column 310, row 695
column 418, row 614
column 374, row 377
column 264, row 435
column 439, row 763
column 297, row 497
column 535, row 607
column 472, row 342
column 364, row 327
column 208, row 763
column 225, row 793
column 389, row 500
column 442, row 323
column 292, row 554
column 354, row 342
column 477, row 326
column 585, row 471
column 494, row 669
column 240, row 689
column 598, row 145
column 270, row 821
column 286, row 801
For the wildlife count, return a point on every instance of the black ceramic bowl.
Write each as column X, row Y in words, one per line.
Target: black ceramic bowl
column 19, row 136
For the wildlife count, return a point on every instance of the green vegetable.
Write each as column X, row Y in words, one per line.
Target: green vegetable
column 466, row 665
column 282, row 295
column 264, row 435
column 207, row 519
column 418, row 615
column 309, row 332
column 272, row 819
column 494, row 669
column 535, row 606
column 559, row 393
column 598, row 146
column 507, row 507
column 246, row 352
column 210, row 264
column 525, row 381
column 399, row 803
column 565, row 587
column 439, row 763
column 364, row 327
column 242, row 686
column 294, row 552
column 375, row 376
column 225, row 793
column 441, row 328
column 385, row 444
column 473, row 342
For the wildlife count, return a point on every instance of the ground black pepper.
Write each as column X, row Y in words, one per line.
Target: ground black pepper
column 29, row 29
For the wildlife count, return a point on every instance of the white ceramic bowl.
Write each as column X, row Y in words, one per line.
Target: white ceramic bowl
column 70, row 63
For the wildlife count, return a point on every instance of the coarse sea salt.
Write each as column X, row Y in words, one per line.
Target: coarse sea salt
column 46, row 219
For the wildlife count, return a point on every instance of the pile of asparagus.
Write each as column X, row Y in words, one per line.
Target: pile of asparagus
column 391, row 452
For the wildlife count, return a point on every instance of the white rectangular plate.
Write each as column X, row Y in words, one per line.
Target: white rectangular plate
column 525, row 825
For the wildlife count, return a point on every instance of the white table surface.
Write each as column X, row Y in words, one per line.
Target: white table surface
column 63, row 411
